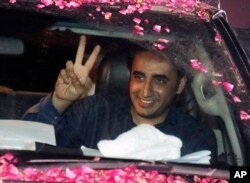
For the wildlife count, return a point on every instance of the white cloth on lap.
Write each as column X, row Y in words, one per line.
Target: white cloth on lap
column 142, row 142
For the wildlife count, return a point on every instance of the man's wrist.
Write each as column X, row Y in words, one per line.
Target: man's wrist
column 60, row 104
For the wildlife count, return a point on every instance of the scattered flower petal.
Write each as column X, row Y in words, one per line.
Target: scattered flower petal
column 131, row 9
column 129, row 174
column 203, row 69
column 162, row 40
column 12, row 1
column 228, row 86
column 244, row 115
column 159, row 46
column 138, row 28
column 146, row 21
column 47, row 2
column 218, row 38
column 236, row 99
column 107, row 15
column 137, row 20
column 216, row 83
column 167, row 29
column 123, row 12
column 157, row 28
column 40, row 6
column 98, row 8
column 195, row 63
column 141, row 33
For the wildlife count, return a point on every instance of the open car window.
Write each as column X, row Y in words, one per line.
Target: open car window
column 219, row 93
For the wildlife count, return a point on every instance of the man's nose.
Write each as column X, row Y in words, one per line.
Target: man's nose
column 146, row 89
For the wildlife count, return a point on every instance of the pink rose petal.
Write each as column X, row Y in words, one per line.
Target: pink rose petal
column 195, row 63
column 141, row 33
column 228, row 86
column 244, row 115
column 107, row 15
column 138, row 28
column 146, row 21
column 203, row 69
column 162, row 40
column 131, row 9
column 218, row 38
column 216, row 83
column 236, row 99
column 123, row 12
column 157, row 28
column 40, row 6
column 73, row 4
column 12, row 1
column 137, row 20
column 98, row 8
column 159, row 46
column 47, row 2
column 167, row 29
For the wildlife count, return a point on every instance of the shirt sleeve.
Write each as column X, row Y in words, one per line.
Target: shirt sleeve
column 44, row 111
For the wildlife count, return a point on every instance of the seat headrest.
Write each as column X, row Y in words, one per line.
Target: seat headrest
column 113, row 74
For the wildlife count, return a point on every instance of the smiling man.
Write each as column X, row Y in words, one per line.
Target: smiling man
column 85, row 120
column 154, row 83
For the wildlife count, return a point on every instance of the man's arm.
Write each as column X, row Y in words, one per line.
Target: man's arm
column 44, row 111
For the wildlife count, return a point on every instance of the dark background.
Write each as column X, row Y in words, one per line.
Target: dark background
column 238, row 14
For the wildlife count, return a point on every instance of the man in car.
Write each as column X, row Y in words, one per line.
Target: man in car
column 84, row 120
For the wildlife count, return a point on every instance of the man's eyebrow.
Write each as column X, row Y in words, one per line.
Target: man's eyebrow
column 137, row 73
column 160, row 76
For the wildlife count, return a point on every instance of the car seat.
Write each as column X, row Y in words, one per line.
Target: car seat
column 113, row 74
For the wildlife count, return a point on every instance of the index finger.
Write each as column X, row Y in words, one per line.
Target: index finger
column 80, row 50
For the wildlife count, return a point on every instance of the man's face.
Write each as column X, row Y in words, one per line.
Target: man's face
column 152, row 86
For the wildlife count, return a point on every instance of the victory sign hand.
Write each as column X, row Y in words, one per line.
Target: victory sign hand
column 72, row 81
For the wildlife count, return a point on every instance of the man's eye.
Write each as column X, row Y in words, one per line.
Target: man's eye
column 138, row 77
column 161, row 80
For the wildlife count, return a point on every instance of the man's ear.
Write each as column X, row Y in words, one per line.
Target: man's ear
column 182, row 84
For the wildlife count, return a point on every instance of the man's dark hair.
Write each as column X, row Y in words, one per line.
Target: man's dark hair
column 167, row 55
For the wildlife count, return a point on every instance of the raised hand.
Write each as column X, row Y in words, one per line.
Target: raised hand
column 72, row 81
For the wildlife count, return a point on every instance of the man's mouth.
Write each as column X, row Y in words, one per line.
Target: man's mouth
column 146, row 101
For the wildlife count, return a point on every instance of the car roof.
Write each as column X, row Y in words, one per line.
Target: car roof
column 120, row 16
